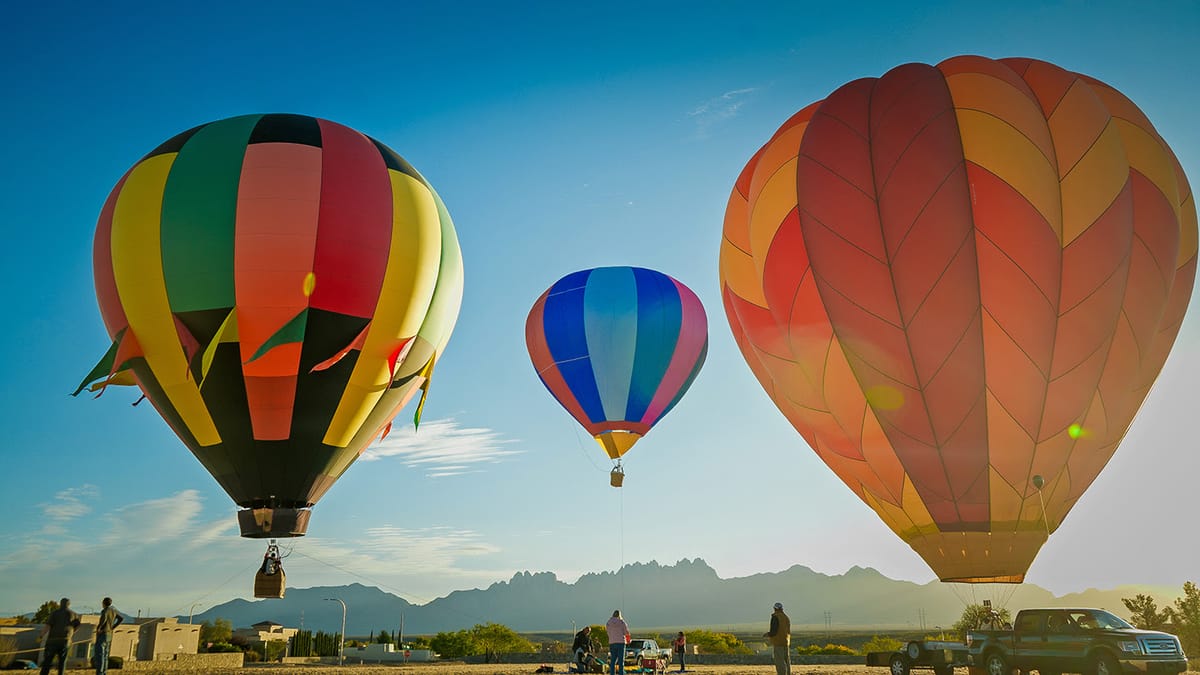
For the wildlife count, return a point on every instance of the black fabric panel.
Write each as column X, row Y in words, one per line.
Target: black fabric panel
column 224, row 394
column 175, row 143
column 203, row 325
column 287, row 128
column 396, row 162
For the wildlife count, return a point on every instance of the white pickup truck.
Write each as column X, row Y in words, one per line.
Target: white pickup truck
column 639, row 649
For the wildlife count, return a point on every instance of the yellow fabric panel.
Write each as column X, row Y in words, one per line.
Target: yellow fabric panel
column 976, row 91
column 996, row 146
column 404, row 298
column 617, row 443
column 1148, row 157
column 772, row 205
column 1077, row 121
column 740, row 275
column 993, row 555
column 1188, row 239
column 776, row 156
column 1004, row 500
column 1092, row 185
column 137, row 269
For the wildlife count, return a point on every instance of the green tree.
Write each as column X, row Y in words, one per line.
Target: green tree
column 453, row 645
column 302, row 643
column 418, row 642
column 274, row 650
column 975, row 616
column 882, row 644
column 384, row 638
column 44, row 611
column 1185, row 616
column 1144, row 612
column 493, row 639
column 599, row 638
column 219, row 631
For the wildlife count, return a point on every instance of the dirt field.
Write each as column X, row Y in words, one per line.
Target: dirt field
column 523, row 668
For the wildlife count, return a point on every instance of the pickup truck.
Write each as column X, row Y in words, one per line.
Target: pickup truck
column 1091, row 641
column 639, row 649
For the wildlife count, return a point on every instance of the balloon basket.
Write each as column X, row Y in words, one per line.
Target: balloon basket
column 270, row 585
column 617, row 477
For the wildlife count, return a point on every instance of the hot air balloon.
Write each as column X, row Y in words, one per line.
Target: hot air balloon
column 278, row 286
column 958, row 283
column 617, row 347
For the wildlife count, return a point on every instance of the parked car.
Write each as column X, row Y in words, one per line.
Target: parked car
column 640, row 649
column 1093, row 641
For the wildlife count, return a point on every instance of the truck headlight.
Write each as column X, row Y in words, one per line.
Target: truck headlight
column 1130, row 646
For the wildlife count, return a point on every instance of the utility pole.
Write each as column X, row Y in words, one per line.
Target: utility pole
column 828, row 623
column 401, row 630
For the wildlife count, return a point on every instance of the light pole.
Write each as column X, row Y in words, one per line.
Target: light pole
column 342, row 646
column 190, row 609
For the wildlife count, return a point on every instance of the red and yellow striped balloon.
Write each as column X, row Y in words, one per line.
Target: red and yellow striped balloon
column 958, row 282
column 279, row 286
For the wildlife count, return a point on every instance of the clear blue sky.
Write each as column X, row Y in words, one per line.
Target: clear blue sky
column 561, row 136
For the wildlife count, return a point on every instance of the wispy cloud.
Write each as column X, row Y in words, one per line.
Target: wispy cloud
column 443, row 448
column 169, row 555
column 71, row 503
column 719, row 109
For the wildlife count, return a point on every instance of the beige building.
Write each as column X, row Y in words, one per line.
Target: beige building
column 150, row 639
column 266, row 631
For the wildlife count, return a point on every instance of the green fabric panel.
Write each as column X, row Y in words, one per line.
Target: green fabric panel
column 292, row 331
column 199, row 212
column 104, row 367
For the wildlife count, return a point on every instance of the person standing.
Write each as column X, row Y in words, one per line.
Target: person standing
column 618, row 637
column 110, row 618
column 59, row 628
column 680, row 646
column 780, row 636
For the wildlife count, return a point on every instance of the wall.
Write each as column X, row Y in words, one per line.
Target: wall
column 192, row 662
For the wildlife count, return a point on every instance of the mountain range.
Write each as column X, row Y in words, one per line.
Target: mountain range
column 688, row 594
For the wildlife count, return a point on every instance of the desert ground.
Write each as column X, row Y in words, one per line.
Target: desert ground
column 523, row 668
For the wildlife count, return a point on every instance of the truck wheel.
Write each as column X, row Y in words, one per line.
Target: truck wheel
column 996, row 664
column 899, row 664
column 913, row 650
column 1105, row 664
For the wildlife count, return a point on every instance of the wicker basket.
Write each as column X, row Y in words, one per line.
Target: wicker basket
column 269, row 585
column 617, row 477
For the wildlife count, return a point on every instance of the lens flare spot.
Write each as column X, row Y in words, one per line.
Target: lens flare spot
column 310, row 283
column 884, row 397
column 1076, row 431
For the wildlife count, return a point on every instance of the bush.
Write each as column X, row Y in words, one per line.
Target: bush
column 222, row 648
column 116, row 663
column 252, row 656
column 882, row 644
column 842, row 650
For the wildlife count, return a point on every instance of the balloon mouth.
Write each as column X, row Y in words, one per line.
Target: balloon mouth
column 273, row 523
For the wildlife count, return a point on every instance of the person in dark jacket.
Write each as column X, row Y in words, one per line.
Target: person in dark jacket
column 59, row 628
column 780, row 636
column 582, row 648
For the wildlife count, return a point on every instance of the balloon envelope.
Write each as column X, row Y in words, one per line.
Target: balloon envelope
column 279, row 286
column 617, row 347
column 955, row 279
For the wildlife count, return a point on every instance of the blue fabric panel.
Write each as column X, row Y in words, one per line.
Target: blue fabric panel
column 610, row 320
column 563, row 326
column 659, row 318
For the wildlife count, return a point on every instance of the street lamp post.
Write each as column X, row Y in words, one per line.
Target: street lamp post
column 342, row 646
column 190, row 610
